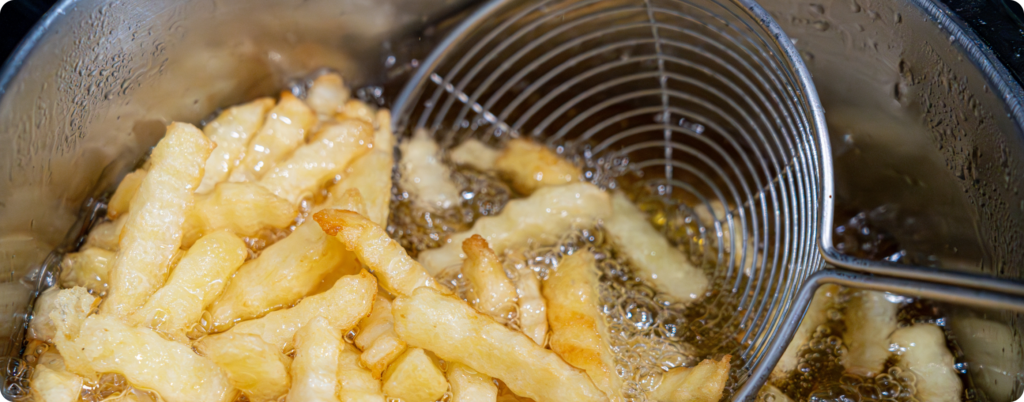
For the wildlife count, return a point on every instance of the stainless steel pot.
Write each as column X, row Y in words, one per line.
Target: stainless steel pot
column 926, row 125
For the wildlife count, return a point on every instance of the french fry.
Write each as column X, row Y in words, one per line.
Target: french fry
column 343, row 306
column 770, row 393
column 427, row 179
column 456, row 333
column 533, row 316
column 231, row 131
column 51, row 382
column 656, row 261
column 253, row 366
column 355, row 383
column 282, row 274
column 359, row 110
column 313, row 164
column 106, row 235
column 870, row 319
column 153, row 231
column 470, row 386
column 475, row 154
column 579, row 334
column 528, row 166
column 377, row 338
column 490, row 290
column 384, row 136
column 327, row 95
column 922, row 350
column 195, row 282
column 284, row 130
column 414, row 378
column 397, row 273
column 89, row 268
column 245, row 209
column 315, row 368
column 703, row 383
column 817, row 314
column 542, row 218
column 120, row 201
column 371, row 175
column 41, row 326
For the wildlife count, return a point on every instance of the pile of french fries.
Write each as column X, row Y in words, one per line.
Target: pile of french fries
column 171, row 294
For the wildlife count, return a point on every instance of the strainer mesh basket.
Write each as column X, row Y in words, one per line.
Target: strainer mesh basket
column 707, row 101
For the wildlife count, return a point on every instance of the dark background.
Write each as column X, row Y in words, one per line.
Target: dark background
column 1000, row 24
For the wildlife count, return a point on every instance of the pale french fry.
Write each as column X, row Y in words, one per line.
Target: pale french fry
column 770, row 393
column 381, row 353
column 120, row 201
column 654, row 260
column 427, row 179
column 817, row 314
column 490, row 290
column 284, row 130
column 343, row 306
column 456, row 333
column 397, row 273
column 315, row 368
column 355, row 383
column 89, row 268
column 470, row 386
column 70, row 309
column 703, row 383
column 371, row 175
column 245, row 209
column 231, row 131
column 474, row 154
column 414, row 378
column 533, row 316
column 51, row 382
column 384, row 136
column 359, row 110
column 327, row 95
column 195, row 282
column 377, row 338
column 282, row 274
column 153, row 231
column 106, row 235
column 379, row 322
column 542, row 218
column 870, row 319
column 313, row 164
column 922, row 350
column 41, row 326
column 579, row 334
column 528, row 166
column 253, row 366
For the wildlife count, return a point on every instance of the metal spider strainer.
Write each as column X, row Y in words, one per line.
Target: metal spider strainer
column 711, row 102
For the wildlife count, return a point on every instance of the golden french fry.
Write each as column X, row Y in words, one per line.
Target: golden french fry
column 923, row 352
column 817, row 314
column 427, row 179
column 343, row 306
column 456, row 333
column 51, row 382
column 253, row 366
column 122, row 198
column 533, row 316
column 195, row 282
column 470, row 386
column 490, row 290
column 654, row 260
column 231, row 131
column 870, row 319
column 355, row 383
column 284, row 130
column 153, row 231
column 315, row 368
column 475, row 154
column 703, row 383
column 245, row 209
column 106, row 235
column 376, row 324
column 41, row 326
column 283, row 273
column 384, row 136
column 313, row 164
column 579, row 334
column 89, row 268
column 398, row 273
column 371, row 175
column 377, row 338
column 542, row 218
column 414, row 378
column 528, row 166
column 359, row 110
column 327, row 95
